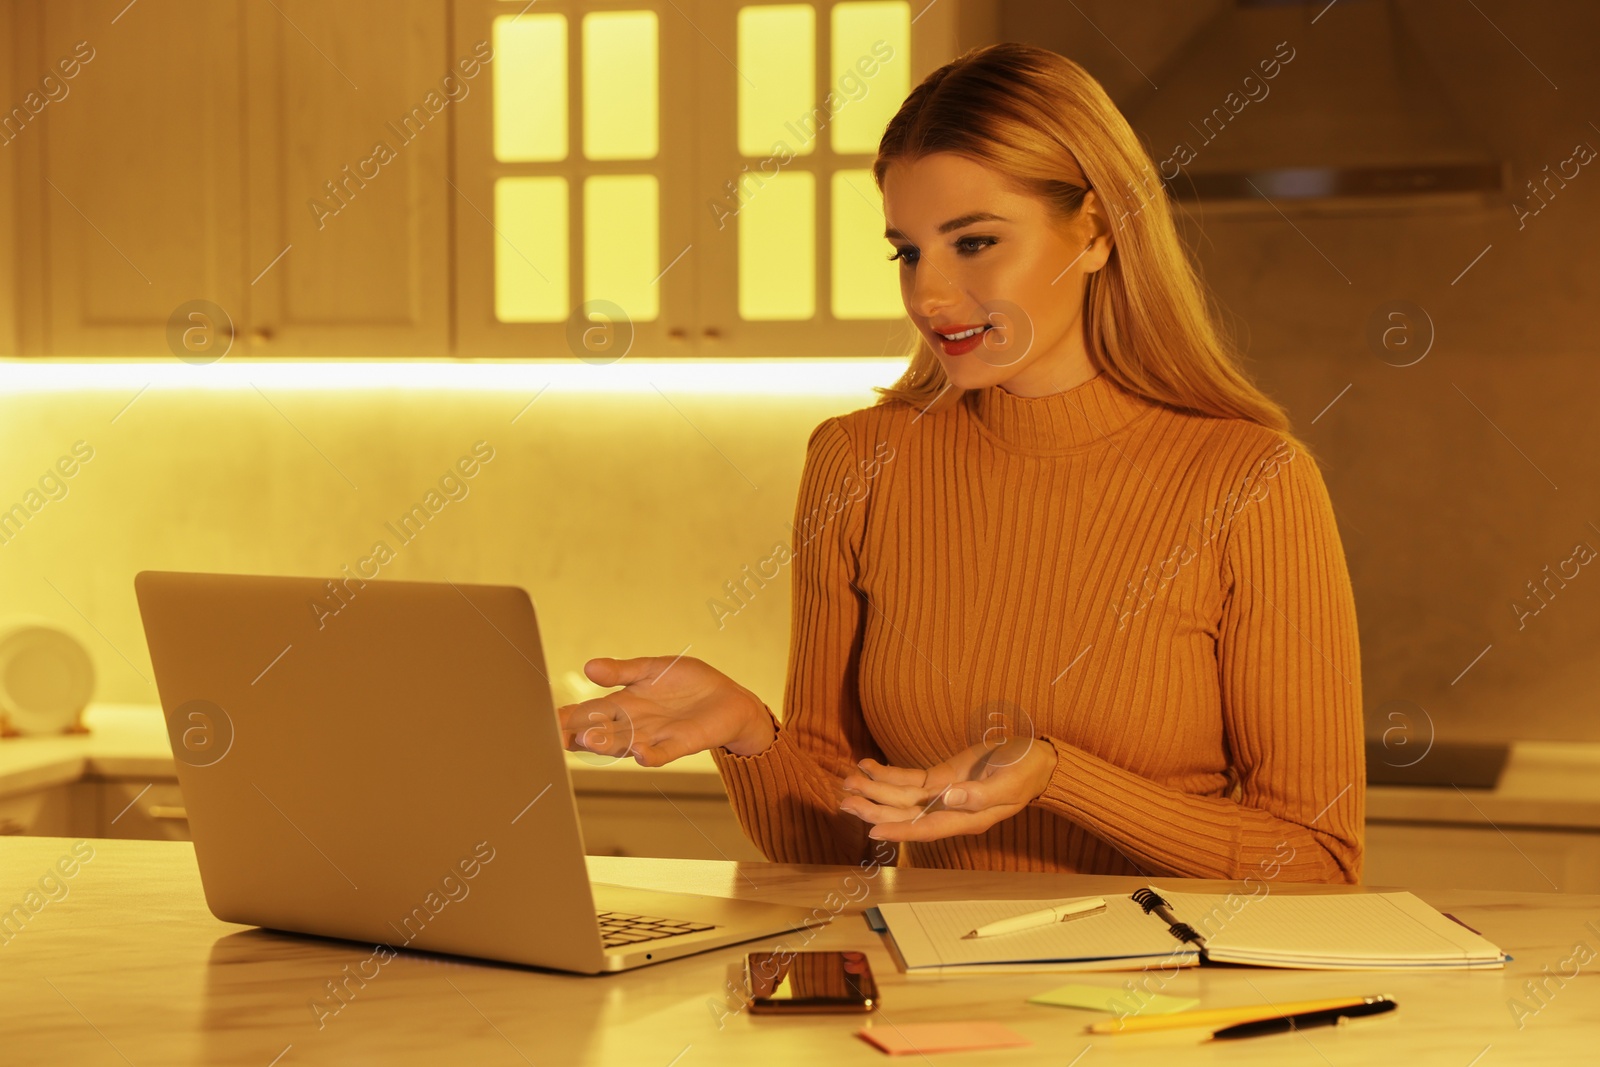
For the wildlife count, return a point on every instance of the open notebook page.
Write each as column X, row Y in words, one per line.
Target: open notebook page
column 929, row 934
column 1343, row 928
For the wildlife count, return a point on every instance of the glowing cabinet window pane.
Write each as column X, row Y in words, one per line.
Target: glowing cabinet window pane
column 865, row 284
column 777, row 249
column 863, row 35
column 530, row 88
column 620, row 95
column 530, row 249
column 621, row 243
column 777, row 79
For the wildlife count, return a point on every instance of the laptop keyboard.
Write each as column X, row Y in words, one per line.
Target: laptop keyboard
column 618, row 928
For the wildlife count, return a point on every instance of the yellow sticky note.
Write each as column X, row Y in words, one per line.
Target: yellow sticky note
column 1114, row 1000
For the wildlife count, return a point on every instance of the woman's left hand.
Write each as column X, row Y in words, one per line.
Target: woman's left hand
column 966, row 794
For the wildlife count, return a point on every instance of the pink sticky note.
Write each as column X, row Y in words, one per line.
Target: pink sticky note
column 941, row 1037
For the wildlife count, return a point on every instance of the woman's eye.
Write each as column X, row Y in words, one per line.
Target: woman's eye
column 966, row 246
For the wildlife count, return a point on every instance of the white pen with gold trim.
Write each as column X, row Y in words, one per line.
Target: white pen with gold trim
column 1072, row 910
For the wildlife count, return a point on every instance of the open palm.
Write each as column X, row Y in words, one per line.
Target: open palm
column 965, row 794
column 668, row 708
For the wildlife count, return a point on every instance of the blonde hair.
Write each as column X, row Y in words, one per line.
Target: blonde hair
column 1147, row 324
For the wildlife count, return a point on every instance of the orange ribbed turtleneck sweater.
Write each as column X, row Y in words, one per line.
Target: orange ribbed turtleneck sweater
column 1163, row 596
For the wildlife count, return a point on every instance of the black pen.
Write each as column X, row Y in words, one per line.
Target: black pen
column 1285, row 1023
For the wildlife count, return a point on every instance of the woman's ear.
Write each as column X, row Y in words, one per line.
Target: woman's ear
column 1096, row 228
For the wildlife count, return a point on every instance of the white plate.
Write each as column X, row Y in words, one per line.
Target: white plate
column 46, row 678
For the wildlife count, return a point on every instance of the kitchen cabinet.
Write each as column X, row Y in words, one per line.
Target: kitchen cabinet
column 1536, row 830
column 624, row 823
column 131, row 178
column 1511, row 858
column 675, row 827
column 723, row 209
column 537, row 216
column 347, row 138
column 118, row 780
column 53, row 811
column 786, row 206
column 208, row 173
column 8, row 189
column 142, row 810
column 93, row 807
column 372, row 179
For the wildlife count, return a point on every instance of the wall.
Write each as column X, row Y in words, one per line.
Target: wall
column 622, row 515
column 1456, row 480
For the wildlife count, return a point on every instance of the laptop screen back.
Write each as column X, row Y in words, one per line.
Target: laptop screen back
column 377, row 761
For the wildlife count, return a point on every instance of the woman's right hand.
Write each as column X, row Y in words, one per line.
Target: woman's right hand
column 669, row 707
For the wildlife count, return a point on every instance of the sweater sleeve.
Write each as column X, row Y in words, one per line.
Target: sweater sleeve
column 1288, row 662
column 787, row 797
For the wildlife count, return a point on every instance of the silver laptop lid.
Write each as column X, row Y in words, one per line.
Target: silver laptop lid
column 375, row 760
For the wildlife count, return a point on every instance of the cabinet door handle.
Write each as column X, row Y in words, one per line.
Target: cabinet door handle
column 167, row 811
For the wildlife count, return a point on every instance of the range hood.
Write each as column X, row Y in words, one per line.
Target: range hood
column 1352, row 113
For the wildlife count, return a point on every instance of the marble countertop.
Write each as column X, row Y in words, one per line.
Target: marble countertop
column 129, row 966
column 1552, row 784
column 130, row 741
column 1544, row 784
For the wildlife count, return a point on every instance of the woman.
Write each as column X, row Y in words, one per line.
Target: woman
column 1069, row 597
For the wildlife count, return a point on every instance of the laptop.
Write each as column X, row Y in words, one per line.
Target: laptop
column 380, row 761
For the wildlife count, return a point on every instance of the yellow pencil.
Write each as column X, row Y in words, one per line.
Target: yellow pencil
column 1216, row 1018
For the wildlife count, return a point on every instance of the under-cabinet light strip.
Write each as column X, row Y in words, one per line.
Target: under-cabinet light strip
column 750, row 377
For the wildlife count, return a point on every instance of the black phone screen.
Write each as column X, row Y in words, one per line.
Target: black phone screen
column 810, row 982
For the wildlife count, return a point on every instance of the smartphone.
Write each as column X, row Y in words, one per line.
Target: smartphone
column 782, row 982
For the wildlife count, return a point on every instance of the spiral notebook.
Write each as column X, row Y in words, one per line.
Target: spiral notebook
column 1343, row 931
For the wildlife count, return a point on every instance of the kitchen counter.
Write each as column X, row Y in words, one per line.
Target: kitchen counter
column 1538, row 830
column 1553, row 784
column 130, row 741
column 130, row 966
column 1545, row 783
column 124, row 741
column 119, row 780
